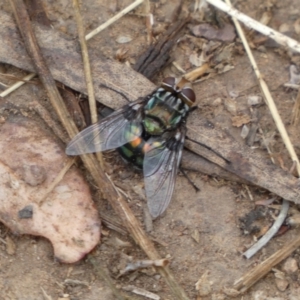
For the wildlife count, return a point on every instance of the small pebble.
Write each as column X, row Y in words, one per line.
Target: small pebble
column 297, row 26
column 254, row 100
column 10, row 246
column 203, row 285
column 259, row 295
column 284, row 28
column 123, row 39
column 218, row 297
column 217, row 102
column 290, row 266
column 245, row 131
column 34, row 174
column 281, row 284
column 26, row 212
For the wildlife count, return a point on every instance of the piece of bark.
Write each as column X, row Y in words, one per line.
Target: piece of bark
column 195, row 162
column 157, row 55
column 241, row 160
column 66, row 66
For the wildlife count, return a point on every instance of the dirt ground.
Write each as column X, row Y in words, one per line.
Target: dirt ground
column 201, row 231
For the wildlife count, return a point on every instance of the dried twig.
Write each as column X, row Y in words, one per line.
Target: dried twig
column 46, row 296
column 292, row 86
column 271, row 232
column 113, row 223
column 265, row 90
column 157, row 55
column 250, row 278
column 253, row 24
column 115, row 18
column 57, row 179
column 142, row 292
column 87, row 72
column 296, row 109
column 104, row 276
column 117, row 201
column 86, row 62
column 141, row 264
column 193, row 75
column 17, row 85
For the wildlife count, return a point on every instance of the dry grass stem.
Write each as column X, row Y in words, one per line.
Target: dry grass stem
column 193, row 75
column 292, row 86
column 86, row 62
column 253, row 24
column 103, row 273
column 266, row 144
column 87, row 73
column 114, row 19
column 47, row 118
column 17, row 85
column 250, row 278
column 296, row 109
column 149, row 21
column 141, row 292
column 58, row 178
column 46, row 296
column 267, row 95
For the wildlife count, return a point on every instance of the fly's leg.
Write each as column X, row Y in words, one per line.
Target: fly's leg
column 197, row 189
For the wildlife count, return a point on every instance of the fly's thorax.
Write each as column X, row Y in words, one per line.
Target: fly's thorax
column 164, row 111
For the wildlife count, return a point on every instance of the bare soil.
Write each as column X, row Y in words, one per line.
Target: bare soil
column 200, row 232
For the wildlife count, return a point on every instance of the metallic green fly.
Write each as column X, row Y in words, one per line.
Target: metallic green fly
column 149, row 133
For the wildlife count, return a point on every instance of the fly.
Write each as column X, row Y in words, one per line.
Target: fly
column 149, row 133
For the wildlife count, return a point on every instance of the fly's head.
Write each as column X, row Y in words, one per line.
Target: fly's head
column 181, row 88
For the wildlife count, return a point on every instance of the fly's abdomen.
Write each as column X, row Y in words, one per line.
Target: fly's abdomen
column 133, row 152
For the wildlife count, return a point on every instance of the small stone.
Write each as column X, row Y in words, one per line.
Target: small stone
column 26, row 212
column 284, row 28
column 262, row 49
column 217, row 102
column 218, row 297
column 259, row 295
column 123, row 39
column 245, row 131
column 254, row 100
column 34, row 174
column 230, row 105
column 290, row 266
column 10, row 246
column 203, row 285
column 281, row 284
column 297, row 26
column 196, row 236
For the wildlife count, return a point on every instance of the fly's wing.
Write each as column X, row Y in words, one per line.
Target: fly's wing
column 160, row 169
column 119, row 128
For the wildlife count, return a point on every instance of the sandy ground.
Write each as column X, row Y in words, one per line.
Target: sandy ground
column 200, row 232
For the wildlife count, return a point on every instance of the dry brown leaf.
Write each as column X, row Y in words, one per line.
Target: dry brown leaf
column 67, row 216
column 238, row 121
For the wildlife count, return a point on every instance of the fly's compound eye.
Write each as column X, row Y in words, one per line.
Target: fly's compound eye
column 187, row 95
column 169, row 83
